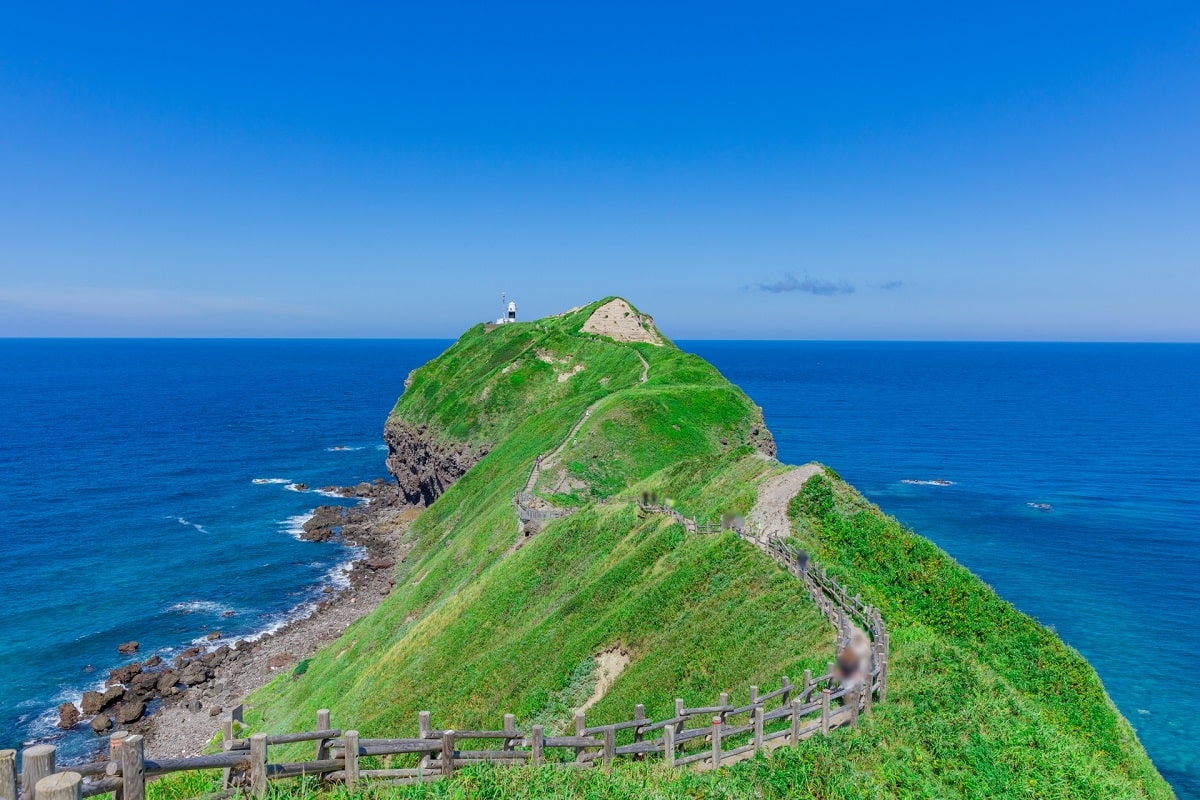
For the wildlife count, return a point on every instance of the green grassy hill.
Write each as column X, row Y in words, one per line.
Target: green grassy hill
column 983, row 701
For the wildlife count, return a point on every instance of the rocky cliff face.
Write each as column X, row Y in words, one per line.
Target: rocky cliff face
column 424, row 467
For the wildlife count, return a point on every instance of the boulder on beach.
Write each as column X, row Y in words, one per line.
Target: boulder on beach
column 128, row 647
column 102, row 723
column 280, row 660
column 193, row 674
column 130, row 712
column 166, row 679
column 68, row 716
column 152, row 662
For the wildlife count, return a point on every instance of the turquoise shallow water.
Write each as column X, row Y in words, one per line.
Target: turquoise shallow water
column 131, row 509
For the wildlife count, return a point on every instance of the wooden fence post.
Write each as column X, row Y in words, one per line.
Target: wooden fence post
column 351, row 758
column 678, row 715
column 323, row 724
column 423, row 731
column 258, row 765
column 8, row 775
column 133, row 767
column 448, row 753
column 825, row 712
column 796, row 721
column 808, row 684
column 786, row 684
column 868, row 697
column 580, row 726
column 723, row 701
column 114, row 757
column 758, row 727
column 610, row 746
column 36, row 763
column 537, row 746
column 61, row 786
column 851, row 699
column 669, row 746
column 510, row 727
column 716, row 742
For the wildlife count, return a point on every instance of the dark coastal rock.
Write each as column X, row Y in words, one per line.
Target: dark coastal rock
column 102, row 723
column 143, row 682
column 112, row 694
column 68, row 716
column 191, row 652
column 326, row 522
column 423, row 466
column 92, row 703
column 763, row 441
column 213, row 636
column 379, row 562
column 124, row 674
column 152, row 662
column 130, row 712
column 128, row 647
column 194, row 673
column 166, row 680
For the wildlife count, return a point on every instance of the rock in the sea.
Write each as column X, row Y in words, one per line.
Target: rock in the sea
column 128, row 647
column 325, row 523
column 152, row 662
column 92, row 703
column 68, row 716
column 213, row 636
column 191, row 652
column 130, row 712
column 112, row 694
column 102, row 723
column 124, row 674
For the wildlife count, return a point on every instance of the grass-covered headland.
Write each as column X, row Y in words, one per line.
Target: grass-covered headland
column 485, row 619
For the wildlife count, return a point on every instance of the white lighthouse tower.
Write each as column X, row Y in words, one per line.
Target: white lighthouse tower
column 508, row 310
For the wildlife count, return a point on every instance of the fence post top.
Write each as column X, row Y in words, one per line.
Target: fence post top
column 58, row 780
column 38, row 749
column 716, row 721
column 260, row 736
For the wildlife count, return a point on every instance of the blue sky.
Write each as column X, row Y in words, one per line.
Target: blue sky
column 898, row 171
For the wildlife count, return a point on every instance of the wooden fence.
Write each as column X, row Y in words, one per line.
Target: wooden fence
column 706, row 736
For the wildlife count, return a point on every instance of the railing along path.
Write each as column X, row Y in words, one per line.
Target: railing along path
column 725, row 732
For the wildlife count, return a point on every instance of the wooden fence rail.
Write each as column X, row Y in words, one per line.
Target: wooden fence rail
column 725, row 733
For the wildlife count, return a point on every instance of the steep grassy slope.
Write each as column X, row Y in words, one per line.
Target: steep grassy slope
column 477, row 627
column 983, row 701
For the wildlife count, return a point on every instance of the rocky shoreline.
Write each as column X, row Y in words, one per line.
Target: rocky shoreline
column 176, row 704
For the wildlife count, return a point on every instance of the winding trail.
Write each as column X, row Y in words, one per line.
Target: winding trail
column 769, row 517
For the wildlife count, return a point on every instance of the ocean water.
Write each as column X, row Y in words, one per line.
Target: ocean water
column 131, row 509
column 1108, row 436
column 130, row 503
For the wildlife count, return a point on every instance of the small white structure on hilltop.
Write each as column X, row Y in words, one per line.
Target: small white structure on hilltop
column 508, row 310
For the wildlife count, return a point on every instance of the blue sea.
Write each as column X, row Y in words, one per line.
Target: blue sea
column 149, row 491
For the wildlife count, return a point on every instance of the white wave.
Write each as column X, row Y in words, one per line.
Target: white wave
column 201, row 607
column 341, row 448
column 325, row 493
column 294, row 487
column 261, row 481
column 1040, row 506
column 935, row 482
column 381, row 447
column 294, row 526
column 198, row 527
